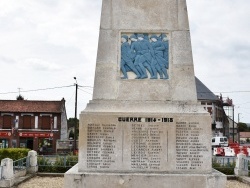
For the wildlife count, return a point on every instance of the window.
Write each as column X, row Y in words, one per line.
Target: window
column 45, row 145
column 4, row 143
column 26, row 122
column 46, row 122
column 213, row 140
column 7, row 122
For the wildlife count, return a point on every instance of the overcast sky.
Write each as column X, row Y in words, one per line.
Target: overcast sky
column 45, row 43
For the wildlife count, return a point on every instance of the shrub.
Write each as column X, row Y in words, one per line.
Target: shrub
column 13, row 153
column 226, row 169
column 60, row 164
column 44, row 165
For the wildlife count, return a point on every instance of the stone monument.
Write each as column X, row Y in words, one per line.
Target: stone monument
column 144, row 126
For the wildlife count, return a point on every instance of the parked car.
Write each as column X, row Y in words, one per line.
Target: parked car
column 220, row 141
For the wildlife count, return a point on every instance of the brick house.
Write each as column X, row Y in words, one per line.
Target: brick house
column 244, row 137
column 32, row 124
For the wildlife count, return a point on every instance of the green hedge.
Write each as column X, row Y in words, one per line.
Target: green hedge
column 227, row 169
column 13, row 153
column 59, row 164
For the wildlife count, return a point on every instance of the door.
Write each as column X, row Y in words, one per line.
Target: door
column 30, row 144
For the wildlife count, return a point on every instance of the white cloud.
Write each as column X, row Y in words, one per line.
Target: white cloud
column 40, row 65
column 6, row 60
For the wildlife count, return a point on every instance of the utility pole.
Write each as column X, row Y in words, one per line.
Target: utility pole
column 233, row 123
column 74, row 145
column 238, row 128
column 19, row 90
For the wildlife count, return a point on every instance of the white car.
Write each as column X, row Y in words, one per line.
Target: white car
column 220, row 141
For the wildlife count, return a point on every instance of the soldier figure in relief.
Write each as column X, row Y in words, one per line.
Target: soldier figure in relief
column 166, row 49
column 146, row 53
column 126, row 58
column 159, row 61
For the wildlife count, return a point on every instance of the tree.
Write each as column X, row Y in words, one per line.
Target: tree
column 71, row 124
column 19, row 97
column 243, row 127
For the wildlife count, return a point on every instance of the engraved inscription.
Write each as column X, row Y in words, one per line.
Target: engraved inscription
column 101, row 143
column 189, row 149
column 146, row 146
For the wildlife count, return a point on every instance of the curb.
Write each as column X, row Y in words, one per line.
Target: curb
column 50, row 174
column 231, row 177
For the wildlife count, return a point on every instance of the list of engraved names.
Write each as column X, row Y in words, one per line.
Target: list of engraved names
column 146, row 146
column 101, row 144
column 189, row 149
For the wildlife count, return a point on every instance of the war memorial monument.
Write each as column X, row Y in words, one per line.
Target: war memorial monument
column 144, row 126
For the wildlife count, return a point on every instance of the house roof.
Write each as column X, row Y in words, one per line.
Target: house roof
column 203, row 93
column 244, row 134
column 31, row 106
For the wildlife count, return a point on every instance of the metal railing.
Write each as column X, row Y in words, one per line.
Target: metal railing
column 246, row 164
column 57, row 160
column 224, row 161
column 20, row 164
column 224, row 164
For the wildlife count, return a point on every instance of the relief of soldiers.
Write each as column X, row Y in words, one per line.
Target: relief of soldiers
column 142, row 53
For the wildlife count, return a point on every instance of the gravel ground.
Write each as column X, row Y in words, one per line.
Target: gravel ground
column 57, row 182
column 236, row 184
column 43, row 182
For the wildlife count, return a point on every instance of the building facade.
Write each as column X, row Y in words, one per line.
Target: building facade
column 214, row 105
column 32, row 124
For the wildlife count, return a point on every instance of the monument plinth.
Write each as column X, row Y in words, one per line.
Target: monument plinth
column 144, row 126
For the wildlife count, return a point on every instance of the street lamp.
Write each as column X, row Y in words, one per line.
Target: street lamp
column 75, row 125
column 239, row 117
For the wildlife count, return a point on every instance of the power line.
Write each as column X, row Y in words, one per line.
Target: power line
column 85, row 86
column 37, row 89
column 85, row 91
column 90, row 87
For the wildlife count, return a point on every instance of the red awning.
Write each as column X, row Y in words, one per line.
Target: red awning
column 36, row 134
column 5, row 134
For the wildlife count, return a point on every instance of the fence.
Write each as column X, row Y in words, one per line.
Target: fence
column 57, row 160
column 223, row 164
column 246, row 164
column 224, row 161
column 21, row 164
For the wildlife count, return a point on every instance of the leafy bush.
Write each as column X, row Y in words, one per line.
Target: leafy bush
column 13, row 153
column 44, row 165
column 60, row 164
column 227, row 169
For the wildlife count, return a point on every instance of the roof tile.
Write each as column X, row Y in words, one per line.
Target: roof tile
column 31, row 106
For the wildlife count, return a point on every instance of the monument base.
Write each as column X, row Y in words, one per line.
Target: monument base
column 73, row 178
